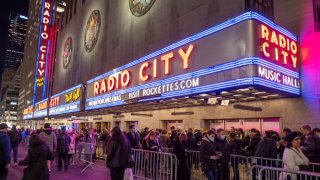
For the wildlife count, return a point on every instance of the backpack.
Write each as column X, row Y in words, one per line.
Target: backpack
column 15, row 137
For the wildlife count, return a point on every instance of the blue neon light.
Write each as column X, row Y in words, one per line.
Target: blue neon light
column 274, row 85
column 23, row 17
column 66, row 91
column 202, row 72
column 212, row 30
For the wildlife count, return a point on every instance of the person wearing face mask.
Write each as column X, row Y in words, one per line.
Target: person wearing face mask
column 133, row 137
column 209, row 155
column 180, row 150
column 223, row 146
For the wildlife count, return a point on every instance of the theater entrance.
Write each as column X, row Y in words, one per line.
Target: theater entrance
column 261, row 124
column 167, row 124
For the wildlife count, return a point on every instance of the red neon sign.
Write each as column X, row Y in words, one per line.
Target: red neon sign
column 278, row 47
column 44, row 40
column 43, row 105
column 123, row 79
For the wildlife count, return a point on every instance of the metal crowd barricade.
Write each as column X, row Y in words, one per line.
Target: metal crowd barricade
column 84, row 155
column 240, row 167
column 195, row 165
column 270, row 173
column 167, row 150
column 101, row 150
column 154, row 165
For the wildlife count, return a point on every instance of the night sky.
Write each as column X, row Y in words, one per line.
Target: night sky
column 7, row 6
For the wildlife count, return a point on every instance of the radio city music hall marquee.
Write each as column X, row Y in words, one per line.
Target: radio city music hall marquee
column 203, row 63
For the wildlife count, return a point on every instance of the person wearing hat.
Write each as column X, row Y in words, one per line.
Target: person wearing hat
column 4, row 151
column 50, row 138
column 293, row 157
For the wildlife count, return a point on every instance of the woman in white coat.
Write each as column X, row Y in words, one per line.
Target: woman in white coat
column 293, row 158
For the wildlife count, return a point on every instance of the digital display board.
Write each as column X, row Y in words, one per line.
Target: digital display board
column 41, row 109
column 28, row 113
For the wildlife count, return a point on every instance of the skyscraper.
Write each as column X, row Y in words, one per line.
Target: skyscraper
column 15, row 42
column 14, row 49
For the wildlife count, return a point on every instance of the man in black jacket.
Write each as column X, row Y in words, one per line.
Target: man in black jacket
column 255, row 139
column 267, row 148
column 223, row 146
column 311, row 145
column 4, row 151
column 15, row 139
column 63, row 145
column 133, row 137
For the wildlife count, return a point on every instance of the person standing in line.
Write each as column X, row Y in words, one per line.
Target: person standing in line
column 118, row 154
column 50, row 138
column 90, row 138
column 36, row 160
column 180, row 150
column 133, row 137
column 209, row 155
column 293, row 157
column 15, row 139
column 63, row 147
column 72, row 147
column 255, row 139
column 235, row 149
column 5, row 157
column 223, row 146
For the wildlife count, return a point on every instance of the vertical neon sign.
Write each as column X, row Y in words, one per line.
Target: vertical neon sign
column 43, row 51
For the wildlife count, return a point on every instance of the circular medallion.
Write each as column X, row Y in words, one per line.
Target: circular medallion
column 92, row 31
column 140, row 7
column 67, row 53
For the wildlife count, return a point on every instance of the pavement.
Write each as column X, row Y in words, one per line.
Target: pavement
column 97, row 172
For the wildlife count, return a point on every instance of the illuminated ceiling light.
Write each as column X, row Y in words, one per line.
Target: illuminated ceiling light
column 274, row 95
column 259, row 93
column 246, row 89
column 224, row 92
column 238, row 95
column 203, row 94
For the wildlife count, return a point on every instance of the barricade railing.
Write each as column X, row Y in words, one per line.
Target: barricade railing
column 84, row 155
column 195, row 165
column 154, row 165
column 270, row 173
column 101, row 150
column 167, row 150
column 240, row 167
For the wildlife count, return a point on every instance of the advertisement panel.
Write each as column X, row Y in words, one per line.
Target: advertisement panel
column 28, row 113
column 41, row 109
column 66, row 102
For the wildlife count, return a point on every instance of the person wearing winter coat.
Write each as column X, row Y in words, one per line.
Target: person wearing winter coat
column 267, row 148
column 209, row 155
column 63, row 147
column 180, row 150
column 15, row 139
column 133, row 137
column 5, row 157
column 293, row 157
column 223, row 146
column 235, row 149
column 50, row 138
column 255, row 139
column 36, row 160
column 118, row 154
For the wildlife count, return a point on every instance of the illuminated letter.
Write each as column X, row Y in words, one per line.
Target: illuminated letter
column 293, row 47
column 111, row 83
column 47, row 5
column 142, row 73
column 46, row 13
column 282, row 41
column 43, row 49
column 274, row 38
column 285, row 55
column 185, row 56
column 103, row 88
column 264, row 45
column 44, row 35
column 264, row 32
column 276, row 51
column 96, row 88
column 166, row 59
column 45, row 20
column 288, row 45
column 155, row 68
column 41, row 64
column 294, row 61
column 42, row 56
column 41, row 72
column 125, row 78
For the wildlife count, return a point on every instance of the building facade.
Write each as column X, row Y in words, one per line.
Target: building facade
column 191, row 64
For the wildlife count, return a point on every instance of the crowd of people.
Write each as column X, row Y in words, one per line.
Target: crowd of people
column 215, row 146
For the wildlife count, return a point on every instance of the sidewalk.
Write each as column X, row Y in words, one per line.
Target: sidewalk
column 99, row 172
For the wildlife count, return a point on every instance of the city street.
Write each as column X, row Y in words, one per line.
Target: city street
column 98, row 172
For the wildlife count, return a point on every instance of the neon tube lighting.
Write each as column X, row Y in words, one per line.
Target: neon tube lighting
column 212, row 30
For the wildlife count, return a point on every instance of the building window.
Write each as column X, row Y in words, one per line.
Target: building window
column 316, row 13
column 264, row 7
